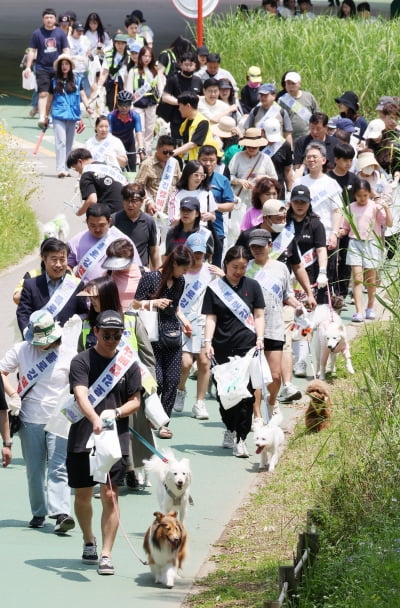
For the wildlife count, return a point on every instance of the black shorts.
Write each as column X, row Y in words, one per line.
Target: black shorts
column 79, row 471
column 273, row 344
column 43, row 80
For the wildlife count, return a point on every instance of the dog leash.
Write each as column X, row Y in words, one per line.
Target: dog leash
column 148, row 445
column 263, row 387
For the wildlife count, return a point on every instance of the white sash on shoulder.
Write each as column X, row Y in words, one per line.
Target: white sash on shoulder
column 38, row 370
column 102, row 170
column 233, row 302
column 296, row 107
column 165, row 184
column 95, row 254
column 195, row 286
column 61, row 295
column 281, row 243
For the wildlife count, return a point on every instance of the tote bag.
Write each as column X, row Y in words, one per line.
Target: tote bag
column 149, row 319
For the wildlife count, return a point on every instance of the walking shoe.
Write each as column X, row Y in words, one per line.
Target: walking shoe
column 131, row 480
column 179, row 400
column 300, row 369
column 240, row 449
column 257, row 422
column 63, row 524
column 229, row 439
column 357, row 317
column 199, row 410
column 370, row 314
column 89, row 555
column 37, row 521
column 105, row 566
column 289, row 392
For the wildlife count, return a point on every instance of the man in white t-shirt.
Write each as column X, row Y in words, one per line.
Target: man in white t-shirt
column 210, row 105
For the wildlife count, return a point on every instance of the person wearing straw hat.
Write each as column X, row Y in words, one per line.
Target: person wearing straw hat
column 228, row 135
column 64, row 100
column 249, row 165
column 43, row 362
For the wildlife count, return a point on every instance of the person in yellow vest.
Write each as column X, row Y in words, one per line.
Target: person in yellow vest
column 195, row 128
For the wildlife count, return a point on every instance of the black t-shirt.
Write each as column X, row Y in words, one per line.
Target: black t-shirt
column 301, row 144
column 347, row 183
column 177, row 237
column 86, row 367
column 231, row 335
column 281, row 159
column 142, row 232
column 107, row 189
column 178, row 84
column 290, row 256
column 310, row 233
column 199, row 134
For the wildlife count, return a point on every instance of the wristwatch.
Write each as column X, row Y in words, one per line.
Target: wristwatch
column 7, row 444
column 117, row 413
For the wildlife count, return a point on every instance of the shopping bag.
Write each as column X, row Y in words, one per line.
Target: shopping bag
column 260, row 373
column 232, row 379
column 105, row 451
column 149, row 319
column 154, row 411
column 29, row 84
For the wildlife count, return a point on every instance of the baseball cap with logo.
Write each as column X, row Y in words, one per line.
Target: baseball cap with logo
column 64, row 19
column 301, row 193
column 109, row 319
column 197, row 242
column 272, row 130
column 382, row 101
column 78, row 26
column 191, row 203
column 266, row 88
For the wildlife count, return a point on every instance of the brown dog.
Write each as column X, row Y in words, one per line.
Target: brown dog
column 319, row 411
column 165, row 544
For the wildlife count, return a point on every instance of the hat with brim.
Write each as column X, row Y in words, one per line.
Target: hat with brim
column 197, row 242
column 273, row 206
column 345, row 124
column 191, row 203
column 42, row 330
column 367, row 159
column 226, row 127
column 63, row 57
column 114, row 263
column 293, row 77
column 301, row 193
column 139, row 15
column 134, row 47
column 348, row 99
column 254, row 74
column 109, row 319
column 260, row 237
column 272, row 130
column 121, row 38
column 374, row 129
column 253, row 139
column 382, row 101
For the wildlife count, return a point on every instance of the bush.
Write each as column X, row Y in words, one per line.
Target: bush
column 19, row 233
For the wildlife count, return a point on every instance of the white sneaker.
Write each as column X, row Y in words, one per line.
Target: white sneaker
column 240, row 449
column 300, row 369
column 257, row 422
column 289, row 392
column 179, row 401
column 229, row 439
column 199, row 410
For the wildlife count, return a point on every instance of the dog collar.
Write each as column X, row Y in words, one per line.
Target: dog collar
column 176, row 499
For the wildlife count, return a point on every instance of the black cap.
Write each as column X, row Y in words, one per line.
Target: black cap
column 78, row 26
column 301, row 193
column 64, row 18
column 190, row 202
column 139, row 15
column 109, row 319
column 260, row 237
column 202, row 50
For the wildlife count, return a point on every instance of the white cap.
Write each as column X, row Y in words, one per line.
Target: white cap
column 293, row 77
column 272, row 129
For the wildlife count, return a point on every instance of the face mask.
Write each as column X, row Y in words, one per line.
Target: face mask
column 277, row 227
column 253, row 85
column 187, row 72
column 368, row 170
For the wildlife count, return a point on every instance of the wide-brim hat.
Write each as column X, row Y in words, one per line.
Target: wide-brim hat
column 42, row 330
column 367, row 159
column 348, row 99
column 61, row 58
column 253, row 138
column 114, row 263
column 226, row 127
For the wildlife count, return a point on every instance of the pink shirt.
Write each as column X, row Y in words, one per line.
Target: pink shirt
column 368, row 220
column 253, row 217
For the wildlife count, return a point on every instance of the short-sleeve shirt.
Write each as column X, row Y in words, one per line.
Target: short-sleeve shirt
column 107, row 189
column 142, row 232
column 230, row 333
column 125, row 130
column 86, row 367
column 49, row 44
column 149, row 285
column 310, row 234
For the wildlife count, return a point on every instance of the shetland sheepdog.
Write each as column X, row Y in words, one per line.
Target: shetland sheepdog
column 165, row 544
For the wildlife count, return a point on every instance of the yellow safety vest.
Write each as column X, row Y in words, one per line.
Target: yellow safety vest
column 209, row 139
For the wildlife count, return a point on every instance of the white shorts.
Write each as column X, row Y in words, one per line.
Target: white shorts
column 367, row 254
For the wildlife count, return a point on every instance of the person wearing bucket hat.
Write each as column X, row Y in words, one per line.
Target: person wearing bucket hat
column 64, row 104
column 42, row 362
column 118, row 402
column 249, row 165
column 298, row 103
column 123, row 270
column 249, row 93
column 47, row 43
column 349, row 108
column 269, row 108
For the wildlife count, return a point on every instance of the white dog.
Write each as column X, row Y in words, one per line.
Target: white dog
column 269, row 440
column 331, row 340
column 58, row 228
column 172, row 480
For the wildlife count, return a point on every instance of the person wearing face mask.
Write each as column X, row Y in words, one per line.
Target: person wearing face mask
column 249, row 97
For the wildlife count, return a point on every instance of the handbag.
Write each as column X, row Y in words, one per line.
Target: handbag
column 154, row 411
column 149, row 319
column 170, row 338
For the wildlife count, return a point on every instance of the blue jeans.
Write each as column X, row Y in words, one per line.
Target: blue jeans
column 43, row 451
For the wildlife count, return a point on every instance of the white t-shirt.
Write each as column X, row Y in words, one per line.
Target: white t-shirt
column 210, row 111
column 79, row 49
column 106, row 150
column 206, row 198
column 325, row 198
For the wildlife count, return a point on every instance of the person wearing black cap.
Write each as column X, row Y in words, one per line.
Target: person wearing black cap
column 348, row 108
column 202, row 54
column 88, row 368
column 47, row 43
column 189, row 222
column 144, row 30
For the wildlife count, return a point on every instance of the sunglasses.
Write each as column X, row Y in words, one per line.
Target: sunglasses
column 115, row 337
column 167, row 152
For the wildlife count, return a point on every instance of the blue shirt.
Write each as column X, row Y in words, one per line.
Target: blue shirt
column 223, row 193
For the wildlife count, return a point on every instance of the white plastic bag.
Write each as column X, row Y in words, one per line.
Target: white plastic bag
column 105, row 452
column 154, row 411
column 259, row 371
column 149, row 319
column 29, row 84
column 232, row 379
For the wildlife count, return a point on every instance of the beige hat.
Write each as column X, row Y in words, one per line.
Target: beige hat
column 60, row 58
column 273, row 207
column 226, row 127
column 366, row 159
column 253, row 138
column 254, row 74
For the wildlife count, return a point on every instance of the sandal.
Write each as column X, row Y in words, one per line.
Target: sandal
column 164, row 433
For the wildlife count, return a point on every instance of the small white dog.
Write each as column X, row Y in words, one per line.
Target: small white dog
column 331, row 340
column 172, row 480
column 57, row 228
column 269, row 440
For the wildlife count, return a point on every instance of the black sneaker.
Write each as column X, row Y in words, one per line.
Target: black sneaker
column 105, row 566
column 131, row 480
column 37, row 521
column 89, row 555
column 64, row 523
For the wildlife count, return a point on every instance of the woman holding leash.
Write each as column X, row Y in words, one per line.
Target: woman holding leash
column 234, row 306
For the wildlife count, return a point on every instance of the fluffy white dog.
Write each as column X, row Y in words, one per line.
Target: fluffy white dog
column 172, row 481
column 58, row 228
column 331, row 340
column 269, row 440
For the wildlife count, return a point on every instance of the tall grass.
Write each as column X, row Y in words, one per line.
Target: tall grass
column 332, row 55
column 18, row 229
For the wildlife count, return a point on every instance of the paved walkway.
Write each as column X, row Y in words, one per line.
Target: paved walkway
column 45, row 570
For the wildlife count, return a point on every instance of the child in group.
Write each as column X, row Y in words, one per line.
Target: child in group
column 365, row 226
